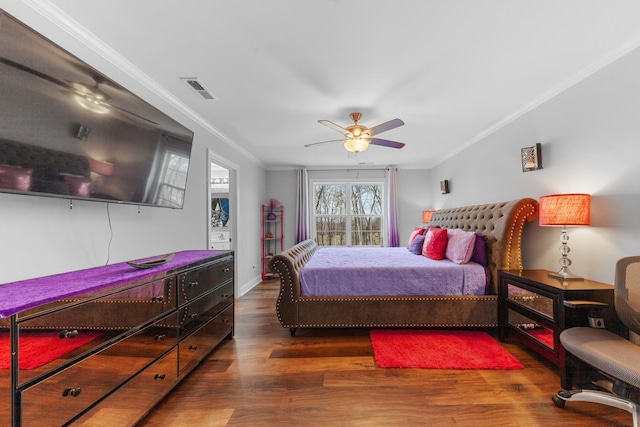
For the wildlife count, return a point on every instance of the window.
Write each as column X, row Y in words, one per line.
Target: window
column 348, row 214
column 174, row 181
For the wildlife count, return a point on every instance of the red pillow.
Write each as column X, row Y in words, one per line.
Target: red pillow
column 435, row 243
column 417, row 231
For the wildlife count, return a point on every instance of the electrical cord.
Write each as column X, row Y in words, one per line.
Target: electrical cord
column 110, row 235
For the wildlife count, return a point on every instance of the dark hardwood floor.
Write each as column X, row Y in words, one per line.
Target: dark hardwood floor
column 327, row 377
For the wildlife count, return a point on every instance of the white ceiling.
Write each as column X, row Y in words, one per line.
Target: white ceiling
column 453, row 70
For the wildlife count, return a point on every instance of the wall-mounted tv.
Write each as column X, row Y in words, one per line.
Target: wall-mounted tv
column 66, row 130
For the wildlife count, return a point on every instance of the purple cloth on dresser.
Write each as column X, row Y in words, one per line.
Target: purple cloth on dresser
column 25, row 294
column 387, row 272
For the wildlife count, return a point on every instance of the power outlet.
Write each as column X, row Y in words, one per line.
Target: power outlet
column 596, row 322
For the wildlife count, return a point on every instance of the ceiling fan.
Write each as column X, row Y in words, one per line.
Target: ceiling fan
column 357, row 137
column 90, row 97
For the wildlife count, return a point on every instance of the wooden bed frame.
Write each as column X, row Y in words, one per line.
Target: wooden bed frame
column 502, row 223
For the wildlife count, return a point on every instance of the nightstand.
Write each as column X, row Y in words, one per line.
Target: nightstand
column 533, row 309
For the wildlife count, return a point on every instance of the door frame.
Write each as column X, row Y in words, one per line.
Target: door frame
column 234, row 178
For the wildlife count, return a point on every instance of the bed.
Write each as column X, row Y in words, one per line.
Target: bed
column 502, row 224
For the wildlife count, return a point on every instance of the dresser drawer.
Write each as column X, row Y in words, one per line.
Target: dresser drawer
column 111, row 315
column 196, row 346
column 194, row 283
column 133, row 399
column 202, row 309
column 59, row 398
column 120, row 309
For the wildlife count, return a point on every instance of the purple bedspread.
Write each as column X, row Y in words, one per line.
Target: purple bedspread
column 387, row 272
column 18, row 296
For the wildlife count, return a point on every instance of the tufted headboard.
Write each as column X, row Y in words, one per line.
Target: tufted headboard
column 44, row 160
column 502, row 223
column 25, row 167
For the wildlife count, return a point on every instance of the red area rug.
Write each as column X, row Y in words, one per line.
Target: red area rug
column 543, row 335
column 439, row 349
column 38, row 348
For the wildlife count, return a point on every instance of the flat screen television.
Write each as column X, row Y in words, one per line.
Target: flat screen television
column 66, row 130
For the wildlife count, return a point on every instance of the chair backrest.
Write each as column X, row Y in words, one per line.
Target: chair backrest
column 627, row 292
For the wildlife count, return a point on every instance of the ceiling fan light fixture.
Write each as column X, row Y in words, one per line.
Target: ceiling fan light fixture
column 92, row 104
column 356, row 145
column 357, row 137
column 91, row 98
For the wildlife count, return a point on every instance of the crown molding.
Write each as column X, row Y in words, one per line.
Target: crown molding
column 548, row 95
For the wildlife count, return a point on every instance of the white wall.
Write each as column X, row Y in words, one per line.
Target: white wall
column 281, row 185
column 590, row 137
column 42, row 236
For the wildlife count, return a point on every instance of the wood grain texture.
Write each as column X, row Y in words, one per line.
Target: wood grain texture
column 327, row 377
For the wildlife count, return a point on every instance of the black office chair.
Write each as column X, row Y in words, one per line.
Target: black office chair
column 616, row 358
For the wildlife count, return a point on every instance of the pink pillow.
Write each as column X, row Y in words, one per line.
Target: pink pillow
column 460, row 245
column 417, row 231
column 435, row 243
column 15, row 177
column 78, row 185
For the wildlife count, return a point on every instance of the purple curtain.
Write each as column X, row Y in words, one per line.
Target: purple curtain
column 302, row 206
column 392, row 185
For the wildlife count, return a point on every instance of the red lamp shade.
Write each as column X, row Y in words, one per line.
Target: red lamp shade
column 565, row 209
column 426, row 216
column 101, row 167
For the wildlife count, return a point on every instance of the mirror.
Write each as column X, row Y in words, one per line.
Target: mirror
column 219, row 211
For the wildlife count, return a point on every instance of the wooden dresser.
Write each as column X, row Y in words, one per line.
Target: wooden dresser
column 154, row 327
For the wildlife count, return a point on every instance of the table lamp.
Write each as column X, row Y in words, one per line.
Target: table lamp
column 426, row 216
column 565, row 210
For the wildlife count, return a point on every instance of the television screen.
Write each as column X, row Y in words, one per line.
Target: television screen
column 66, row 130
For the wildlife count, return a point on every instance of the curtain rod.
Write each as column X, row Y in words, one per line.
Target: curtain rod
column 347, row 169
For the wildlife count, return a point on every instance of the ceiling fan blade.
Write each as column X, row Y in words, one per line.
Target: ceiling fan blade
column 323, row 142
column 383, row 127
column 386, row 143
column 131, row 113
column 34, row 72
column 333, row 126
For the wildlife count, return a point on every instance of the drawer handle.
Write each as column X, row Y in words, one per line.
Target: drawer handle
column 193, row 347
column 68, row 334
column 193, row 284
column 159, row 377
column 225, row 320
column 75, row 392
column 157, row 299
column 193, row 315
column 160, row 337
column 226, row 270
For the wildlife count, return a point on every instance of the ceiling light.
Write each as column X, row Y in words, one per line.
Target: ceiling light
column 356, row 145
column 91, row 98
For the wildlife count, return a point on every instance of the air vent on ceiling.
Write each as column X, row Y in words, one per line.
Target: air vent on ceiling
column 195, row 84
